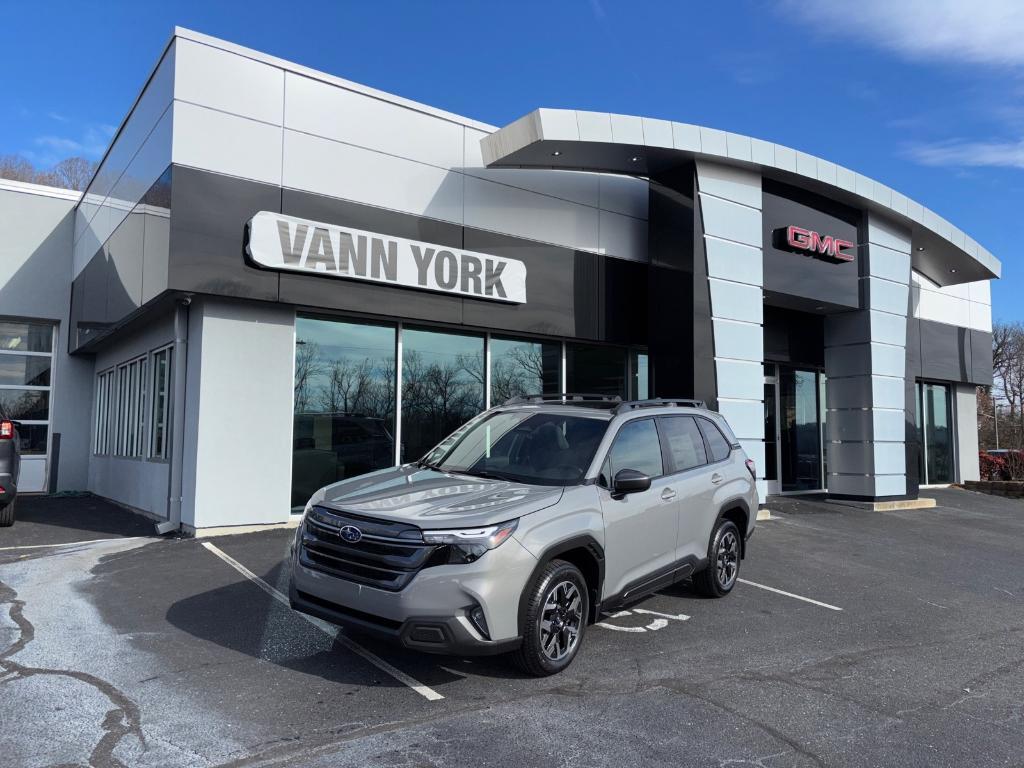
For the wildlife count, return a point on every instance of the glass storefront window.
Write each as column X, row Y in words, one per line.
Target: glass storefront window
column 523, row 368
column 20, row 370
column 24, row 404
column 442, row 386
column 25, row 337
column 595, row 370
column 344, row 406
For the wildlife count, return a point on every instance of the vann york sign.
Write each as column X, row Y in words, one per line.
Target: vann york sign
column 280, row 242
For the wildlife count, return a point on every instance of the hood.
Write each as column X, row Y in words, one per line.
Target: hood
column 429, row 498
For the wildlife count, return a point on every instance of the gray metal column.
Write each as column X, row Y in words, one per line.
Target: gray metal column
column 730, row 204
column 865, row 361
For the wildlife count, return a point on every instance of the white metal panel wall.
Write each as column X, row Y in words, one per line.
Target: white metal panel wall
column 137, row 482
column 238, row 455
column 967, row 433
column 865, row 361
column 730, row 203
column 264, row 122
column 36, row 234
column 968, row 305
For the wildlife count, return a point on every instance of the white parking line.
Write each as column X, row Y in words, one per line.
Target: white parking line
column 71, row 543
column 426, row 692
column 789, row 594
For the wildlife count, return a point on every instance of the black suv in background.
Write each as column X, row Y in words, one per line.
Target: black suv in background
column 10, row 462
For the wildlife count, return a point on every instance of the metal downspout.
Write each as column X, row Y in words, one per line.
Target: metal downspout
column 180, row 369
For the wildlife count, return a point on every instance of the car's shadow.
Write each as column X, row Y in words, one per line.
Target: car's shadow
column 245, row 619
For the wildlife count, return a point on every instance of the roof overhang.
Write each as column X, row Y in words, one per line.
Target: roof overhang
column 565, row 139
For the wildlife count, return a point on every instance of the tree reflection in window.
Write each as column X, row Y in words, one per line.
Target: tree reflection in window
column 521, row 368
column 442, row 386
column 344, row 403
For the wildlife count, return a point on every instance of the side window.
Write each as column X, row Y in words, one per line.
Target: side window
column 636, row 447
column 718, row 446
column 685, row 444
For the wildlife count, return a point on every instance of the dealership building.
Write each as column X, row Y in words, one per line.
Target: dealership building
column 278, row 279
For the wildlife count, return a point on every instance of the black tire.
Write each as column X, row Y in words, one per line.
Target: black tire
column 7, row 515
column 719, row 577
column 554, row 584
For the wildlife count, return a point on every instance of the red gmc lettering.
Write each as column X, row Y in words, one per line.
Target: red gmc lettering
column 802, row 239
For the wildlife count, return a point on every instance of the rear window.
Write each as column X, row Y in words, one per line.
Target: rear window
column 718, row 446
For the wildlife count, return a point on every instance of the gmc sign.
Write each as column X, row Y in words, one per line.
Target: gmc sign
column 824, row 247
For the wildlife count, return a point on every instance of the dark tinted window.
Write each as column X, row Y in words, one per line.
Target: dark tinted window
column 685, row 444
column 596, row 369
column 718, row 446
column 636, row 447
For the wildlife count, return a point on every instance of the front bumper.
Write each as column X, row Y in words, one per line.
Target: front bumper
column 447, row 635
column 431, row 613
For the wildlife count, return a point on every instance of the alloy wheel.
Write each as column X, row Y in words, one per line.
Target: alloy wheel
column 728, row 559
column 560, row 620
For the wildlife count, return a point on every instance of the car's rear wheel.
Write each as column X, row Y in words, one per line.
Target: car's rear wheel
column 7, row 515
column 724, row 549
column 555, row 621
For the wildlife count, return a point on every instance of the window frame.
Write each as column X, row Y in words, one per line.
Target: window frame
column 47, row 389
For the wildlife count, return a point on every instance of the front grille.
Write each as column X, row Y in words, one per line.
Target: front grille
column 387, row 557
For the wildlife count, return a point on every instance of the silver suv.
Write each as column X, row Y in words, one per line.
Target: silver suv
column 528, row 523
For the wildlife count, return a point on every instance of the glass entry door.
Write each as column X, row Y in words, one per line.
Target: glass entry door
column 800, row 454
column 935, row 432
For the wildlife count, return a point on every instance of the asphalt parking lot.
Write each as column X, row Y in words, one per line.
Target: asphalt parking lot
column 889, row 639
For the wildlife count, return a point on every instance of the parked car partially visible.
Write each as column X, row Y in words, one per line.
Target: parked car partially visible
column 10, row 463
column 1010, row 463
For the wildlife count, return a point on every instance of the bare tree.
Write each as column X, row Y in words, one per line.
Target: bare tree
column 1003, row 405
column 70, row 173
column 17, row 168
column 74, row 172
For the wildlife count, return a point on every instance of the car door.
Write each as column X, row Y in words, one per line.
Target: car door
column 687, row 454
column 640, row 528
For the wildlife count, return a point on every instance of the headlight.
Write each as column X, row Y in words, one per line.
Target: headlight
column 469, row 544
column 315, row 499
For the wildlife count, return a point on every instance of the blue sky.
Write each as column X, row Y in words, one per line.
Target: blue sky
column 926, row 96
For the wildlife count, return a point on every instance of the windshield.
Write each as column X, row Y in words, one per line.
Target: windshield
column 526, row 447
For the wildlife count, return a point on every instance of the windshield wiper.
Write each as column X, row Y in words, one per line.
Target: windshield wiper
column 488, row 475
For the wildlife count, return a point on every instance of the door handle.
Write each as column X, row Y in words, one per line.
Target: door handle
column 668, row 494
column 716, row 478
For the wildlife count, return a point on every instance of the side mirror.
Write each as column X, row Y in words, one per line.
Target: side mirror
column 629, row 481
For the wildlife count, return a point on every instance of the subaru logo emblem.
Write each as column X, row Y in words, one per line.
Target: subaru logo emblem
column 350, row 533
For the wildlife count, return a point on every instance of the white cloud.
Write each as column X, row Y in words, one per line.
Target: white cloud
column 91, row 144
column 986, row 32
column 1003, row 154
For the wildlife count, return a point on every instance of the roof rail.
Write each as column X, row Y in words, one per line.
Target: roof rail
column 564, row 397
column 675, row 402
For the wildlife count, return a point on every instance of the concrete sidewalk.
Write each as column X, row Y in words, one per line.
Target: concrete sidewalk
column 48, row 520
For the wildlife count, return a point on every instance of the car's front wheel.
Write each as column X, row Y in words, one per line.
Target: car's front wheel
column 724, row 551
column 556, row 618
